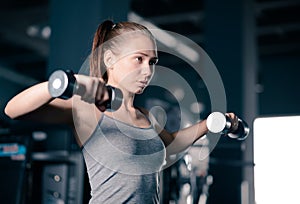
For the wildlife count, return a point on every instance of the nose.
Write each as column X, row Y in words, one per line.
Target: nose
column 147, row 70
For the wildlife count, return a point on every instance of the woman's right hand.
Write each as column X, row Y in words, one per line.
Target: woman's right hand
column 92, row 90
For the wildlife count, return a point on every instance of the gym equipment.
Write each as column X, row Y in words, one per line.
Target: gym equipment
column 62, row 84
column 218, row 122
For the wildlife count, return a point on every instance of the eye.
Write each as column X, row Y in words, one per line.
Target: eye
column 139, row 59
column 153, row 61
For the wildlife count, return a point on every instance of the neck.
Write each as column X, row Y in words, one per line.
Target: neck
column 126, row 112
column 128, row 97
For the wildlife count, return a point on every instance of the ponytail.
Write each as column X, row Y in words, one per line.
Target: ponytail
column 97, row 67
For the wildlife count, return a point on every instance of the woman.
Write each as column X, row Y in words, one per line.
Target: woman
column 124, row 150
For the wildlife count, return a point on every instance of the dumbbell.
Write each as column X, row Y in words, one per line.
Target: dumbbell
column 218, row 122
column 62, row 84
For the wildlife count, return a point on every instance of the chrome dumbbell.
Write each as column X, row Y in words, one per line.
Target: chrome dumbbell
column 220, row 123
column 62, row 84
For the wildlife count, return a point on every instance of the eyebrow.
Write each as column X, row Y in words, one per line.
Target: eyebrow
column 142, row 53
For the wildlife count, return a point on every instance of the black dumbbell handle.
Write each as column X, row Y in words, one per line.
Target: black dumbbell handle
column 241, row 132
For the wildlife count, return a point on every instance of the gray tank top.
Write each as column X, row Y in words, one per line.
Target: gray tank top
column 123, row 163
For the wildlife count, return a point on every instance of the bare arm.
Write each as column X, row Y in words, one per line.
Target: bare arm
column 35, row 103
column 179, row 141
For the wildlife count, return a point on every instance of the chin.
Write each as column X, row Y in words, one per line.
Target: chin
column 140, row 91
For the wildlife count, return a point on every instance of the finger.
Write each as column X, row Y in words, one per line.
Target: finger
column 234, row 121
column 101, row 94
column 89, row 88
column 102, row 98
column 102, row 108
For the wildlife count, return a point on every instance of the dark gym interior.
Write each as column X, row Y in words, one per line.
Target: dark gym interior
column 254, row 44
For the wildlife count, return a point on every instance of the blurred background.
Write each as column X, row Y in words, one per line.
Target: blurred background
column 255, row 45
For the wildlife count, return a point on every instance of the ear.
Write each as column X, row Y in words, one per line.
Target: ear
column 108, row 58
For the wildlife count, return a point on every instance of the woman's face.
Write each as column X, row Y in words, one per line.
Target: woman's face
column 133, row 67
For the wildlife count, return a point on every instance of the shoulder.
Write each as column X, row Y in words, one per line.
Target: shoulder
column 85, row 119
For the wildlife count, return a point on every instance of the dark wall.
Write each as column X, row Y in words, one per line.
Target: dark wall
column 280, row 84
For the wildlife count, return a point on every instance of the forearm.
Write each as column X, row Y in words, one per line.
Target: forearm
column 28, row 100
column 184, row 138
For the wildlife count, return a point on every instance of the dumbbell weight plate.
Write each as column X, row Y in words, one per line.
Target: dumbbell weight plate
column 216, row 122
column 61, row 84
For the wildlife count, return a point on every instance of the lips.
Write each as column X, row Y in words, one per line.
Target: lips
column 143, row 83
